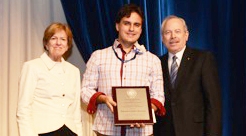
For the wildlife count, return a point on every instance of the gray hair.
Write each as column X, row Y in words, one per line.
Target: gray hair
column 171, row 17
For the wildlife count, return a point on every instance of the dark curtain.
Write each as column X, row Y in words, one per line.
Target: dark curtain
column 214, row 25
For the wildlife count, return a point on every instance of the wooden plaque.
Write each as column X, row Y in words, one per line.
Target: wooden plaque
column 133, row 105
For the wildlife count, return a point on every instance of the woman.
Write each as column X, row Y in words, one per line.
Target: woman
column 49, row 89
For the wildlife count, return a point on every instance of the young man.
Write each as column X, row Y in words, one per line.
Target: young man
column 192, row 90
column 125, row 63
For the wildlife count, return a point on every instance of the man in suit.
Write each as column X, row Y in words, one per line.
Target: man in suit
column 191, row 85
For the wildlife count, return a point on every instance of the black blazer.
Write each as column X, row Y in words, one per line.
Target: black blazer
column 194, row 105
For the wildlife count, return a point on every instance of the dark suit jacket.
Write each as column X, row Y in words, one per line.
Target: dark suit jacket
column 194, row 105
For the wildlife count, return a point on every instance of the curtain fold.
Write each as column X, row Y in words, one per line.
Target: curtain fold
column 215, row 25
column 93, row 23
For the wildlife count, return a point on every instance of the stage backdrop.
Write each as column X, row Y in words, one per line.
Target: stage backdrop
column 214, row 25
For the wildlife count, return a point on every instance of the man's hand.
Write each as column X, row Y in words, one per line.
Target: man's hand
column 153, row 107
column 141, row 125
column 138, row 125
column 107, row 100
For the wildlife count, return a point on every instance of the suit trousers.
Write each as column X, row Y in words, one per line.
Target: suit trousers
column 63, row 131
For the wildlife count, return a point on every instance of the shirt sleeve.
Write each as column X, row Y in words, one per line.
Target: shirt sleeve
column 161, row 111
column 90, row 83
column 27, row 84
column 92, row 106
column 157, row 86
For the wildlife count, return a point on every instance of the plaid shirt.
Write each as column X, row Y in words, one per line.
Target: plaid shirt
column 103, row 72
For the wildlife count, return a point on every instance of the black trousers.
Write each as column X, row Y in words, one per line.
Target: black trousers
column 63, row 131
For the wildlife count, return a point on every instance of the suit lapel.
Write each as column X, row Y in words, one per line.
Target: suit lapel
column 184, row 67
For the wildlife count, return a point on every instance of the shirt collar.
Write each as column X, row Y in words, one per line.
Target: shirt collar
column 50, row 63
column 137, row 47
column 179, row 54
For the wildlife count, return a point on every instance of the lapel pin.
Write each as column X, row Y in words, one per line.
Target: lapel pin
column 188, row 58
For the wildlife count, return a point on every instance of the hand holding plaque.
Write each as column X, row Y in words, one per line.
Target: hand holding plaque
column 133, row 105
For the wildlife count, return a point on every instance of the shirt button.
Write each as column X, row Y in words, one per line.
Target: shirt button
column 63, row 95
column 63, row 105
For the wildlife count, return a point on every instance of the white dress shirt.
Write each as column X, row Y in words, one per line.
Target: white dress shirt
column 49, row 97
column 179, row 56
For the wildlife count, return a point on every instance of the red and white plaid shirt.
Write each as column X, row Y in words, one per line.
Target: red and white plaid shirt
column 103, row 71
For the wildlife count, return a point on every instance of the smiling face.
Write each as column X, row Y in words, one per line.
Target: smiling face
column 57, row 45
column 57, row 40
column 129, row 29
column 174, row 35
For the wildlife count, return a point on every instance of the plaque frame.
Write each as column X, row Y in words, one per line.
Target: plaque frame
column 134, row 90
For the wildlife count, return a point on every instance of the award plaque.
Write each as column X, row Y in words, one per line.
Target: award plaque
column 133, row 105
